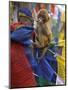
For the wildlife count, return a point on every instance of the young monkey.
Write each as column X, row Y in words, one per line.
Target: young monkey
column 43, row 32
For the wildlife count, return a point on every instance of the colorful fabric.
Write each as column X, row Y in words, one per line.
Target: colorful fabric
column 21, row 71
column 25, row 11
column 23, row 35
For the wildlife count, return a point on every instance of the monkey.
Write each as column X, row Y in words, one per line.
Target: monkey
column 43, row 32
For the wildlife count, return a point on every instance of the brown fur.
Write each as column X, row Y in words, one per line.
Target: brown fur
column 43, row 32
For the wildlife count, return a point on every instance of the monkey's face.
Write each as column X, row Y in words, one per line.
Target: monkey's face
column 43, row 16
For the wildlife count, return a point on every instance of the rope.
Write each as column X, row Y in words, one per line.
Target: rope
column 55, row 54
